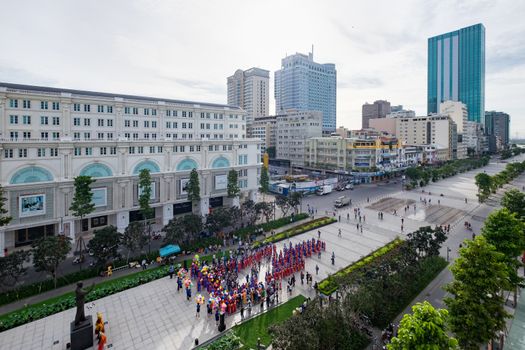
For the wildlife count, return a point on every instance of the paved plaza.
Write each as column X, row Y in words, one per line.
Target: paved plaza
column 155, row 316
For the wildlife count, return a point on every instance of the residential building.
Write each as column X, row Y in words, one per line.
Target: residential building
column 437, row 130
column 403, row 113
column 386, row 125
column 497, row 125
column 456, row 70
column 457, row 111
column 378, row 109
column 293, row 129
column 250, row 90
column 302, row 84
column 474, row 138
column 112, row 137
column 264, row 129
column 342, row 131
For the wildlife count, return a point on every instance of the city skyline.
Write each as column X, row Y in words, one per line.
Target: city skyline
column 168, row 56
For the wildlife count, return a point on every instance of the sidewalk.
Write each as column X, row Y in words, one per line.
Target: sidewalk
column 124, row 272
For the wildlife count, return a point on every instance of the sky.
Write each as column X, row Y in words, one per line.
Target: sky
column 187, row 49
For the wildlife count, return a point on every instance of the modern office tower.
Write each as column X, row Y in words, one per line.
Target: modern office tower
column 456, row 70
column 437, row 130
column 293, row 129
column 378, row 109
column 497, row 125
column 303, row 84
column 250, row 90
column 48, row 136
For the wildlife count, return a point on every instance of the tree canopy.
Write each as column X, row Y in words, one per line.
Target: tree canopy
column 193, row 188
column 233, row 184
column 133, row 238
column 12, row 267
column 264, row 181
column 105, row 245
column 49, row 252
column 4, row 219
column 514, row 201
column 82, row 203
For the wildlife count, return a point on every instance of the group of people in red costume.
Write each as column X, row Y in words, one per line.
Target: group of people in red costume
column 228, row 295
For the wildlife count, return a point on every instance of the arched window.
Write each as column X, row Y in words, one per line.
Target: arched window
column 221, row 162
column 96, row 170
column 187, row 164
column 31, row 174
column 147, row 164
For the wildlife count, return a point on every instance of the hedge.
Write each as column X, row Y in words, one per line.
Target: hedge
column 271, row 225
column 297, row 230
column 329, row 284
column 67, row 301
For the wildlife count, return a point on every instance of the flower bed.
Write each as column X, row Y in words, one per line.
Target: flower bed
column 297, row 230
column 329, row 284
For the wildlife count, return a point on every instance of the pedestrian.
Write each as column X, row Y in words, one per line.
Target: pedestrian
column 319, row 255
column 347, row 216
column 319, row 234
column 339, row 218
column 473, row 235
column 102, row 339
column 357, row 226
column 402, row 221
column 302, row 277
column 439, row 202
column 171, row 271
column 333, row 258
column 198, row 314
column 217, row 316
column 368, row 199
column 339, row 232
column 465, row 201
column 364, row 218
column 401, row 228
column 316, row 269
column 359, row 218
column 361, row 228
column 242, row 311
column 144, row 265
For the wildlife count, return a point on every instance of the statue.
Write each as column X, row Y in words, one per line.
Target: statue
column 80, row 296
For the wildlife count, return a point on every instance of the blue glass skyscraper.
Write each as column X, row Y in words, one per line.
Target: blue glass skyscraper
column 456, row 70
column 303, row 84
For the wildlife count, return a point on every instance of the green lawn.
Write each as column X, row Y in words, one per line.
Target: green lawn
column 257, row 327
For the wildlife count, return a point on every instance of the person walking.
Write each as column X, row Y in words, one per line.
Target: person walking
column 357, row 227
column 242, row 311
column 347, row 216
column 198, row 314
column 339, row 233
column 339, row 218
column 302, row 277
column 319, row 234
column 171, row 271
column 333, row 258
column 361, row 228
column 316, row 269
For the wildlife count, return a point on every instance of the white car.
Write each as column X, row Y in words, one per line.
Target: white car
column 349, row 186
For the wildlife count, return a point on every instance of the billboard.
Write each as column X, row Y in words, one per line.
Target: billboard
column 221, row 182
column 32, row 205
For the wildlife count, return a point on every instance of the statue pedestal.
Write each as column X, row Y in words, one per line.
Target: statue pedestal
column 82, row 335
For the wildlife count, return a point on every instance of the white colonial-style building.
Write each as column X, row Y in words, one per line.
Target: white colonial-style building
column 49, row 136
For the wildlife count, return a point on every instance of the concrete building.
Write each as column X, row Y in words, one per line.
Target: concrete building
column 497, row 124
column 302, row 84
column 293, row 129
column 475, row 139
column 48, row 136
column 457, row 111
column 342, row 132
column 265, row 130
column 456, row 70
column 404, row 113
column 437, row 130
column 378, row 109
column 387, row 125
column 250, row 90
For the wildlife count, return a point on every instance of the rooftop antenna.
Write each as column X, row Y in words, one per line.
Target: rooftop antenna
column 312, row 50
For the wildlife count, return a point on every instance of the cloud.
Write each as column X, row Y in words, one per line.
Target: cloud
column 361, row 82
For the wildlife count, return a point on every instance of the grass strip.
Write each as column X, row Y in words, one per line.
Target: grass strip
column 329, row 284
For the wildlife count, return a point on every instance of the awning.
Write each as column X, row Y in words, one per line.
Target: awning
column 168, row 250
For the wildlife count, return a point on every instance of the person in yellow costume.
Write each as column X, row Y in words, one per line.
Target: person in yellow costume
column 99, row 325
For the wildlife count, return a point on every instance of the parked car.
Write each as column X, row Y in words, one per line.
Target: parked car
column 349, row 186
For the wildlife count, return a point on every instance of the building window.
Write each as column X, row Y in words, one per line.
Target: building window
column 110, row 109
column 135, row 110
column 154, row 136
column 8, row 153
column 88, row 151
column 100, row 122
column 135, row 136
column 43, row 105
column 100, row 109
column 109, row 122
column 127, row 123
column 54, row 152
column 22, row 153
column 146, row 123
column 192, row 148
column 184, row 114
column 44, row 135
column 113, row 150
column 55, row 106
column 13, row 103
column 26, row 104
column 126, row 110
column 41, row 152
column 146, row 111
column 87, row 135
column 151, row 149
column 76, row 135
column 127, row 135
column 159, row 149
column 26, row 119
column 13, row 135
column 87, row 108
column 109, row 136
column 13, row 119
column 76, row 121
column 44, row 120
column 153, row 111
column 56, row 135
column 146, row 136
column 76, row 107
column 153, row 124
column 131, row 150
column 100, row 135
column 103, row 151
column 77, row 151
column 56, row 120
column 87, row 122
column 135, row 123
column 27, row 135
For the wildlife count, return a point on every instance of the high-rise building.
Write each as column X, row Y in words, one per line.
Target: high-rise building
column 378, row 109
column 456, row 70
column 293, row 129
column 48, row 136
column 303, row 84
column 250, row 90
column 497, row 125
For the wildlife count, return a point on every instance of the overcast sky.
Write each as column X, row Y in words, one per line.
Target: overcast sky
column 186, row 49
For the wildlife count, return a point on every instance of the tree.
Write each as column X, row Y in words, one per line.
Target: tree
column 133, row 238
column 12, row 267
column 218, row 219
column 264, row 181
column 424, row 329
column 144, row 198
column 4, row 219
column 82, row 203
column 265, row 209
column 193, row 187
column 514, row 201
column 49, row 252
column 507, row 233
column 271, row 152
column 476, row 309
column 233, row 184
column 283, row 203
column 294, row 200
column 484, row 183
column 104, row 245
column 427, row 241
column 248, row 212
